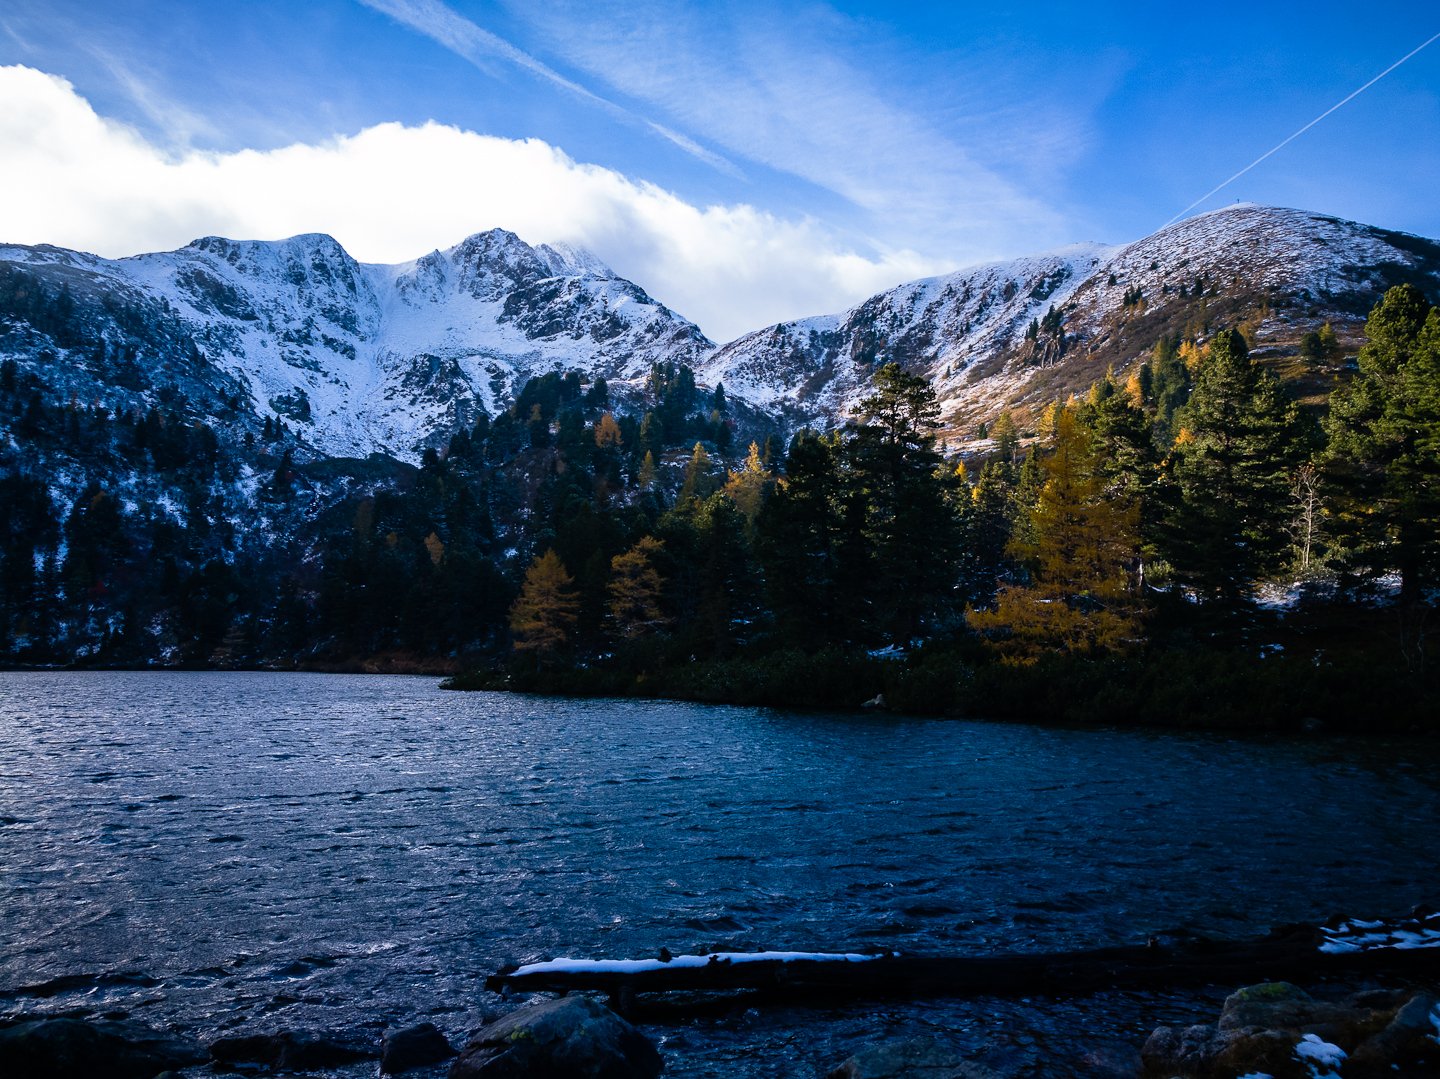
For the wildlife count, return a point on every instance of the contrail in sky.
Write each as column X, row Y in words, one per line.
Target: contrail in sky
column 1302, row 131
column 447, row 27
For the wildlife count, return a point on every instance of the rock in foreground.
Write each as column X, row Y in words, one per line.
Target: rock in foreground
column 1279, row 1030
column 75, row 1049
column 576, row 1037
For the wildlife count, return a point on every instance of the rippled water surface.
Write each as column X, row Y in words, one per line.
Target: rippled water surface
column 212, row 850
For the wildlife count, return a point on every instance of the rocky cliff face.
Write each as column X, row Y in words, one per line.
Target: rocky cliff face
column 356, row 358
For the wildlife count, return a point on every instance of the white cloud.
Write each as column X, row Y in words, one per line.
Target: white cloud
column 392, row 192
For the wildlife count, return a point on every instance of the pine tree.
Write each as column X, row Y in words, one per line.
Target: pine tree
column 646, row 478
column 910, row 525
column 547, row 608
column 985, row 515
column 801, row 544
column 1007, row 439
column 1168, row 380
column 1239, row 444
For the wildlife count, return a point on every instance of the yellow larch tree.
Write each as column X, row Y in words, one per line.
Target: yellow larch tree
column 1080, row 546
column 546, row 610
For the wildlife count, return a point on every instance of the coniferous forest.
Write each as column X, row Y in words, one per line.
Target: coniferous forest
column 1185, row 544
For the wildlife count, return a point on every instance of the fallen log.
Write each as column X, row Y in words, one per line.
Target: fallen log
column 1289, row 954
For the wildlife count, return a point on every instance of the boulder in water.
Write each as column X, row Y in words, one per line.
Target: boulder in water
column 295, row 1050
column 910, row 1058
column 413, row 1047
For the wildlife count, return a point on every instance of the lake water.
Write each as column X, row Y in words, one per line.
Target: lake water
column 250, row 851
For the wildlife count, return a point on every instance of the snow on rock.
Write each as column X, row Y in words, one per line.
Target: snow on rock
column 1322, row 1058
column 1358, row 936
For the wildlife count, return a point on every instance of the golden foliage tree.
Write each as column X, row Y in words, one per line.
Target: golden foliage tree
column 435, row 548
column 1080, row 546
column 749, row 486
column 635, row 589
column 646, row 479
column 607, row 432
column 699, row 483
column 546, row 609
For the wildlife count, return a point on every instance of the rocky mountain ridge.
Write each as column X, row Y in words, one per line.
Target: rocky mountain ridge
column 1020, row 333
column 360, row 359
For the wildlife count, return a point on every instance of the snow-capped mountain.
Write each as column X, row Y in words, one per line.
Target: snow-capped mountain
column 364, row 358
column 368, row 358
column 939, row 327
column 1018, row 334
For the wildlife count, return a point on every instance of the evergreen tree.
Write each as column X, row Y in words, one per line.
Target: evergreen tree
column 910, row 525
column 1007, row 439
column 1239, row 444
column 803, row 546
column 1168, row 381
column 1383, row 460
column 985, row 515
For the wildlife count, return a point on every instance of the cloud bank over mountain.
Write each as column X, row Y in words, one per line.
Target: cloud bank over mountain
column 78, row 179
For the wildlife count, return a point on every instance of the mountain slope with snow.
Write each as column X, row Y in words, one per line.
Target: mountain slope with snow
column 365, row 358
column 1021, row 333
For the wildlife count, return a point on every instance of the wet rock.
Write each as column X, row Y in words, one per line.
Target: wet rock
column 413, row 1047
column 1190, row 1050
column 576, row 1037
column 1408, row 1045
column 1207, row 1052
column 1279, row 1030
column 1261, row 1052
column 75, row 1049
column 910, row 1058
column 295, row 1050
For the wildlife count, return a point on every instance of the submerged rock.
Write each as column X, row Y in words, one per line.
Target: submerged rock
column 910, row 1058
column 76, row 1049
column 413, row 1047
column 296, row 1050
column 576, row 1037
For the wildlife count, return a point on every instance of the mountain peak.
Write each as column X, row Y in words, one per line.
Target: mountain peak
column 566, row 260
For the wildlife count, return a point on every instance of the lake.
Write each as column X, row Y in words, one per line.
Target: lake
column 224, row 851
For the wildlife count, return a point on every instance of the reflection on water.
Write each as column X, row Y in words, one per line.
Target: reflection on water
column 206, row 849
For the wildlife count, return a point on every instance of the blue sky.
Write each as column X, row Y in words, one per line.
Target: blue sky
column 744, row 164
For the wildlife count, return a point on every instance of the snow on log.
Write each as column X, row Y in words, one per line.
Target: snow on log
column 1411, row 946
